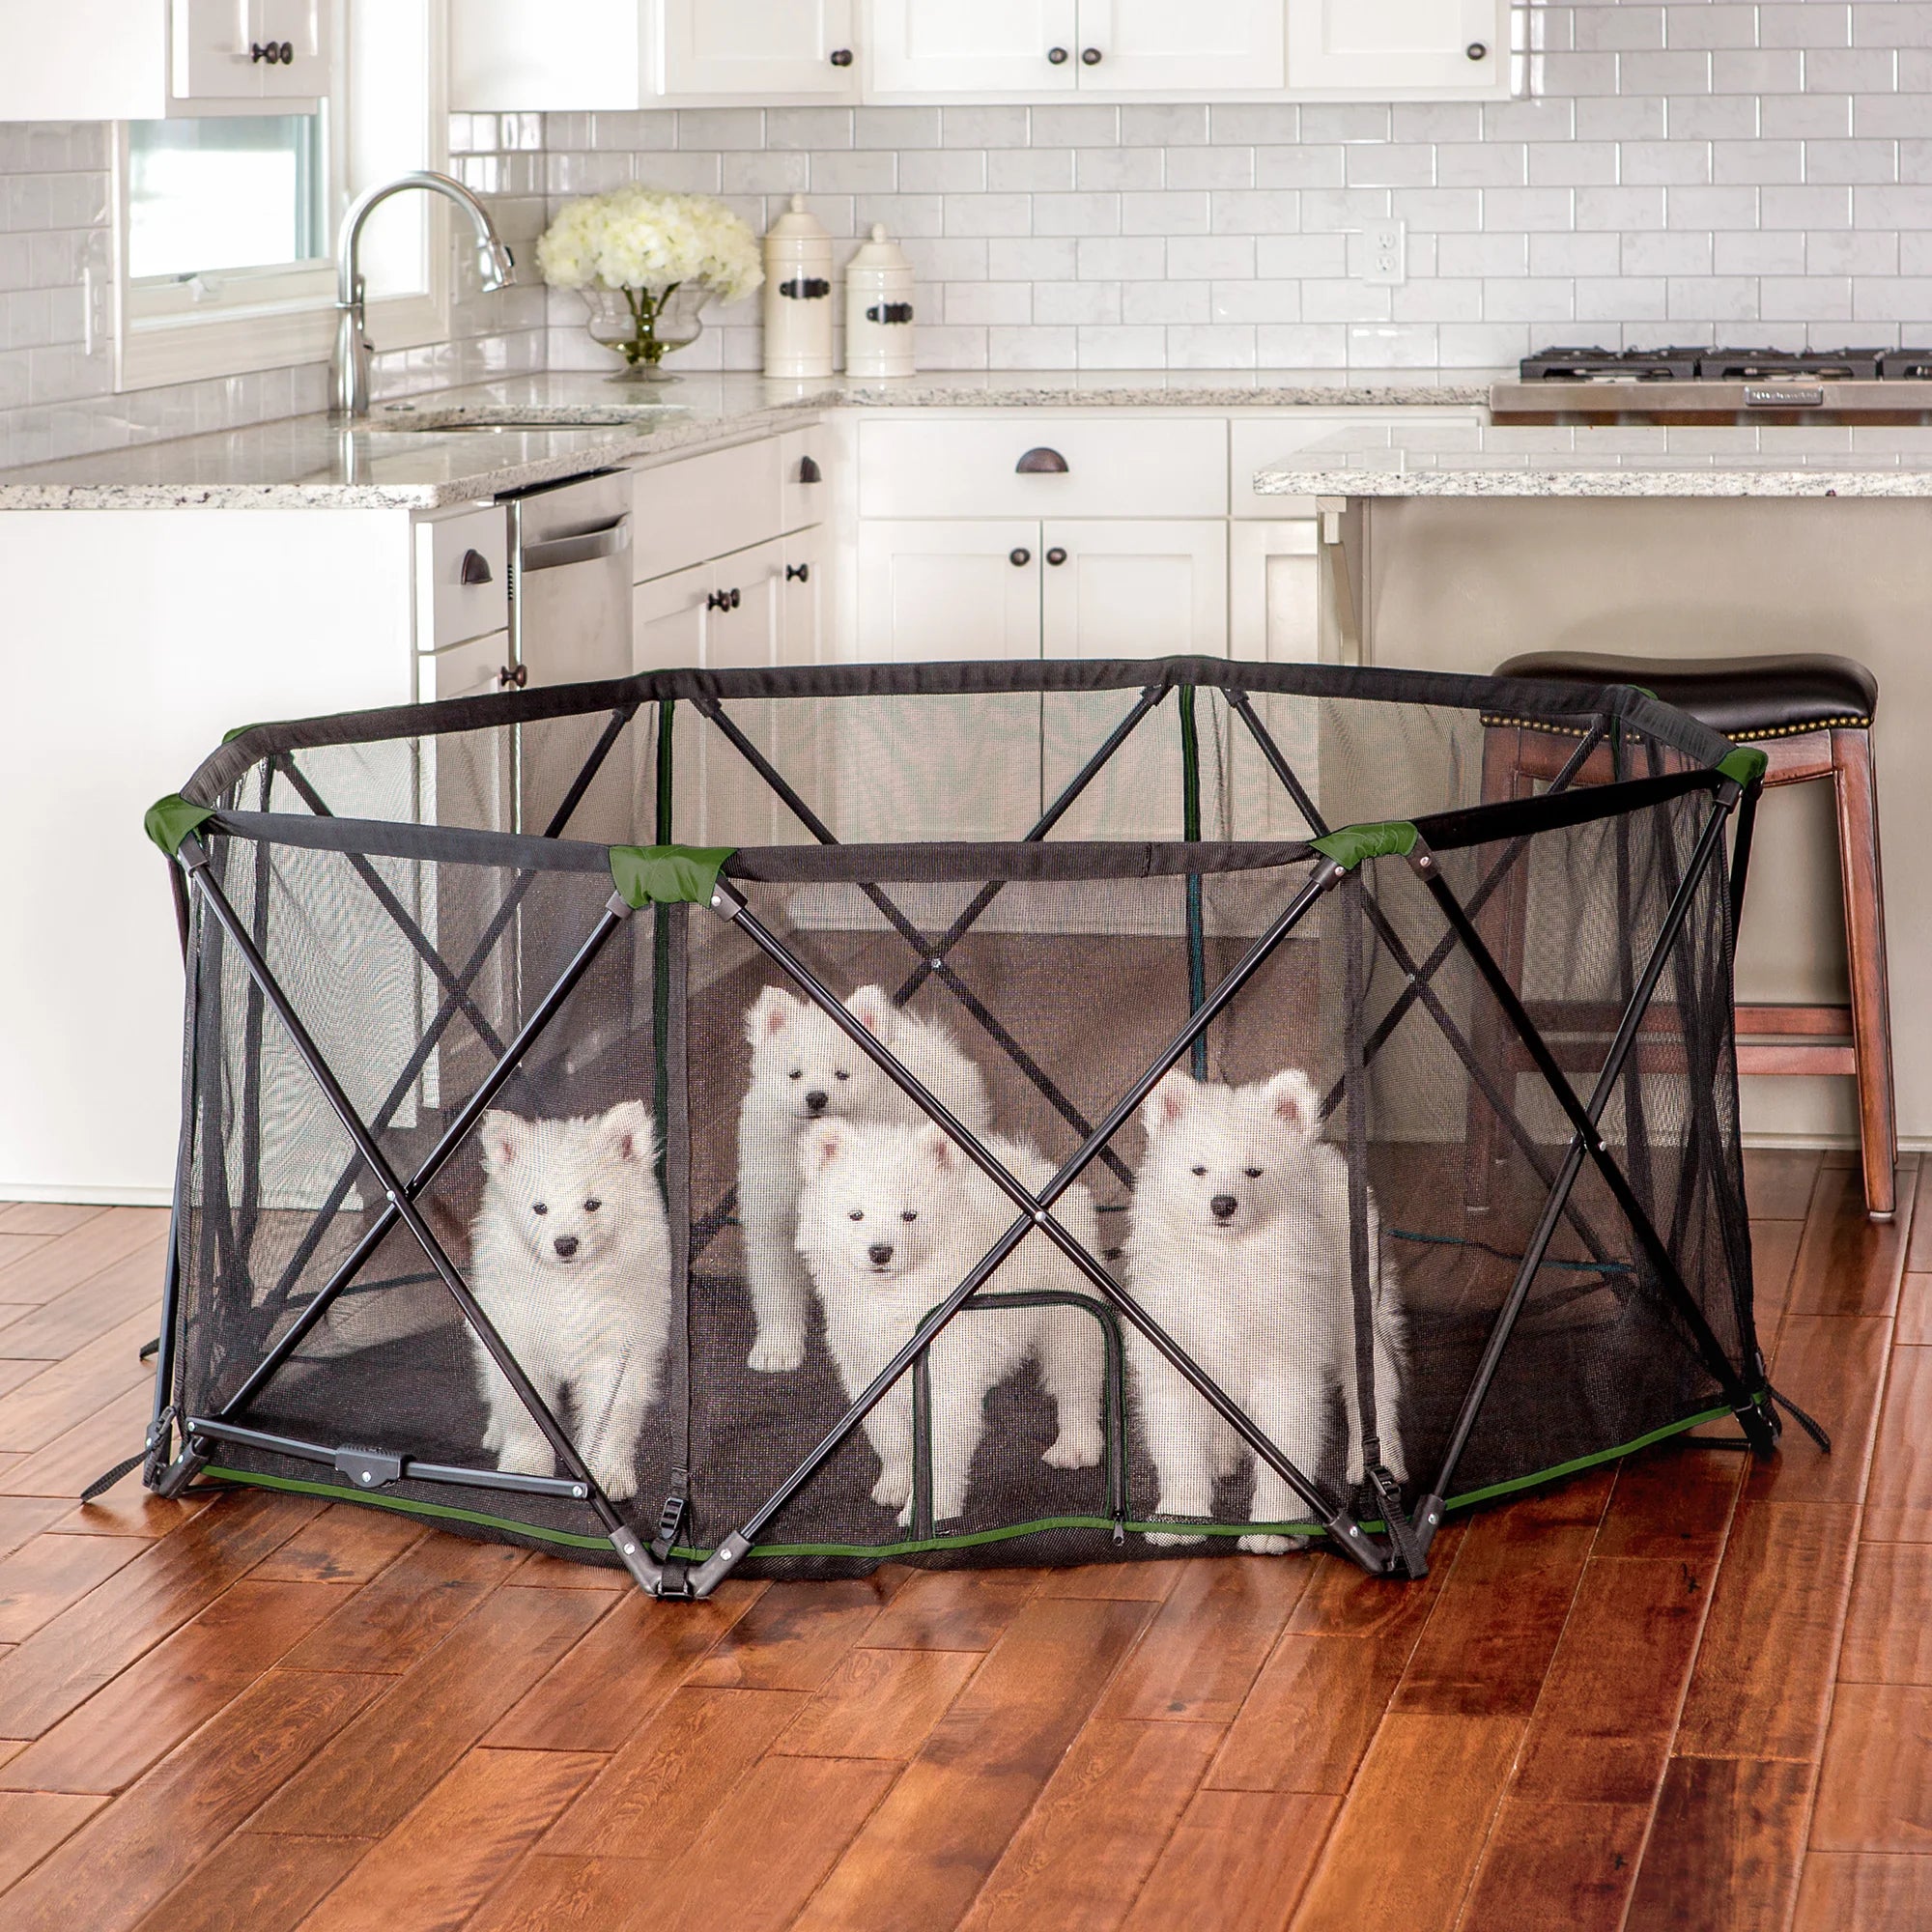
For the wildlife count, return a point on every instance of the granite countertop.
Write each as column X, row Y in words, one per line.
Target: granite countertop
column 464, row 445
column 1466, row 459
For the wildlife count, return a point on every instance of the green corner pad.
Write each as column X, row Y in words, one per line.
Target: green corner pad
column 234, row 732
column 667, row 875
column 881, row 1552
column 1380, row 838
column 1744, row 766
column 169, row 820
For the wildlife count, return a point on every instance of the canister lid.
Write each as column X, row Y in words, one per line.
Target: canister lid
column 879, row 253
column 797, row 225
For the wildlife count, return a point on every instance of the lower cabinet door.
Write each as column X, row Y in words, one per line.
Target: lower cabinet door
column 941, row 592
column 743, row 622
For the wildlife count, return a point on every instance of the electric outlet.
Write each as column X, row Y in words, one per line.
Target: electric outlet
column 1386, row 254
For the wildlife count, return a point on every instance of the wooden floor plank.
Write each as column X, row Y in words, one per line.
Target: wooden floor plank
column 128, row 1510
column 1763, row 1673
column 64, row 1393
column 344, row 1545
column 1102, row 1819
column 72, row 1459
column 1875, row 1786
column 1725, row 1847
column 1848, row 1264
column 75, row 1256
column 32, row 1823
column 1554, row 1862
column 1833, row 1367
column 879, row 1704
column 1898, row 1500
column 1237, row 1863
column 613, row 1683
column 1775, row 1248
column 47, row 1573
column 432, row 1872
column 1308, row 1721
column 79, row 1315
column 926, row 1850
column 1198, row 1657
column 24, row 1518
column 67, row 1660
column 45, row 1217
column 145, row 1843
column 1913, row 1323
column 1864, row 1891
column 369, row 1777
column 166, row 1695
column 1672, row 1500
column 1137, row 1583
column 793, row 1637
column 1429, row 1785
column 546, row 1893
column 1778, row 1181
column 253, row 1882
column 952, row 1609
column 16, row 1247
column 1888, row 1625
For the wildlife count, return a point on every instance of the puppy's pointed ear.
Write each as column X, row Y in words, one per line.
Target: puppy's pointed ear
column 935, row 1148
column 871, row 1008
column 821, row 1144
column 772, row 1012
column 505, row 1136
column 630, row 1131
column 1169, row 1100
column 1291, row 1100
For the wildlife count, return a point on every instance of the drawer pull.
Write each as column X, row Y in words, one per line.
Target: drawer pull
column 808, row 288
column 798, row 573
column 722, row 599
column 1089, row 56
column 1040, row 463
column 1057, row 56
column 809, row 470
column 841, row 56
column 476, row 568
column 1476, row 50
column 1056, row 557
column 1019, row 559
column 518, row 675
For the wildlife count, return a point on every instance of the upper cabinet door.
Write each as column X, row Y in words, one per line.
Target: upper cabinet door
column 1381, row 49
column 245, row 50
column 1155, row 44
column 759, row 47
column 298, row 31
column 990, row 47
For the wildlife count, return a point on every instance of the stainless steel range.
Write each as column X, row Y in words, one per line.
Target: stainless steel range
column 1719, row 386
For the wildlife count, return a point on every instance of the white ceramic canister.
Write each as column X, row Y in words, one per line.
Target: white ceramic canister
column 798, row 294
column 879, row 309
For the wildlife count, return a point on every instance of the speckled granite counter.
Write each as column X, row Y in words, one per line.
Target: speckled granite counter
column 1461, row 458
column 463, row 445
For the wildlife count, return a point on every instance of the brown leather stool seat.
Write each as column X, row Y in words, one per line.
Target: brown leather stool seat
column 1811, row 715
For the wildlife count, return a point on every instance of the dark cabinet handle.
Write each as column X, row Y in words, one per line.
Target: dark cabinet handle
column 1057, row 55
column 798, row 573
column 718, row 600
column 1476, row 50
column 272, row 53
column 476, row 568
column 808, row 288
column 1056, row 557
column 1041, row 462
column 1089, row 56
column 518, row 675
column 841, row 56
column 809, row 470
column 288, row 53
column 1019, row 559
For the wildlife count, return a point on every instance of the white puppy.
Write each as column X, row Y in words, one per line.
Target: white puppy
column 572, row 1264
column 890, row 1220
column 803, row 1068
column 1238, row 1249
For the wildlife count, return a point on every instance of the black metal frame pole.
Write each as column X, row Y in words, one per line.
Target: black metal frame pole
column 1190, row 830
column 1585, row 1143
column 1035, row 1213
column 623, row 1539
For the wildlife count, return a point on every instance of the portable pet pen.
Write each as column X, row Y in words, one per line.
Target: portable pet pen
column 1516, row 1010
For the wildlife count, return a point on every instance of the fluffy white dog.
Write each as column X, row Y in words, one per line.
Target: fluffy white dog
column 572, row 1264
column 890, row 1220
column 1238, row 1249
column 803, row 1068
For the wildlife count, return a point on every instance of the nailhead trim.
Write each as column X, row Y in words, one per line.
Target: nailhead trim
column 1493, row 719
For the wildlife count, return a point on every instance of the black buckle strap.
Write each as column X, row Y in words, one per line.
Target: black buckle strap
column 1402, row 1535
column 671, row 1517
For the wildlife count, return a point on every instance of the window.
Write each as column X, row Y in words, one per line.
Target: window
column 224, row 192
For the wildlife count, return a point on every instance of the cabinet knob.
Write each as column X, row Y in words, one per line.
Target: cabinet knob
column 809, row 470
column 734, row 597
column 1019, row 559
column 798, row 573
column 841, row 56
column 718, row 600
column 1056, row 557
column 1476, row 50
column 1089, row 56
column 1057, row 55
column 476, row 568
column 517, row 676
column 1041, row 462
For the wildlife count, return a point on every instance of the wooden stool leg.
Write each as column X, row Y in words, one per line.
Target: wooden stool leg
column 1856, row 790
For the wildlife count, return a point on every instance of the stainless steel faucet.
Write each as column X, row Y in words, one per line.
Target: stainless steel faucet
column 493, row 264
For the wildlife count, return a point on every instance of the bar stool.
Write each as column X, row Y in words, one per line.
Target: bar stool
column 1812, row 715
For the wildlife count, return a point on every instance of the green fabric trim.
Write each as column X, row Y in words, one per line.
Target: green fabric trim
column 171, row 819
column 1570, row 1468
column 239, row 731
column 1380, row 838
column 1744, row 766
column 336, row 1492
column 667, row 875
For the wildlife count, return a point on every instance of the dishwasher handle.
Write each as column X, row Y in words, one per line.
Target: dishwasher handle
column 610, row 539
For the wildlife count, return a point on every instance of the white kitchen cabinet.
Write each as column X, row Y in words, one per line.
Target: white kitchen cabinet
column 1149, row 45
column 1386, row 49
column 250, row 50
column 703, row 507
column 462, row 575
column 804, row 593
column 992, row 47
column 762, row 47
column 1273, row 600
column 938, row 592
column 667, row 620
column 478, row 668
column 1131, row 589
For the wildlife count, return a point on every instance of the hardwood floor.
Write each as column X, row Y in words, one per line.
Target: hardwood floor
column 1688, row 1692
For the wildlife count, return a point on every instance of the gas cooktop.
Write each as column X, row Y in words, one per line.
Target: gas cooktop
column 1705, row 385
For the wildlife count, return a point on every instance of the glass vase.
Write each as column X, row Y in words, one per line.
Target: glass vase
column 644, row 325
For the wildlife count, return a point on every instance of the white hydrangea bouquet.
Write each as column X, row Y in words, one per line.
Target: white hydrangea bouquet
column 645, row 264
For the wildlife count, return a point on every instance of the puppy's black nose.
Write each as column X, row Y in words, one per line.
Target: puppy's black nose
column 881, row 1252
column 1222, row 1205
column 814, row 1103
column 565, row 1245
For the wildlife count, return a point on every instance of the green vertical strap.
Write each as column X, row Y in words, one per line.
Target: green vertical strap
column 1190, row 830
column 660, row 937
